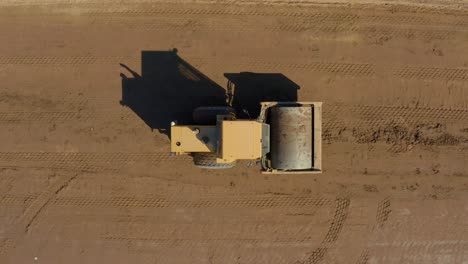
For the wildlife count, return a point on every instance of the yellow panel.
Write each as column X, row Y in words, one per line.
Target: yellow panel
column 184, row 139
column 241, row 140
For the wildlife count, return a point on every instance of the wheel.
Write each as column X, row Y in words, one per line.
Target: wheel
column 208, row 161
column 206, row 115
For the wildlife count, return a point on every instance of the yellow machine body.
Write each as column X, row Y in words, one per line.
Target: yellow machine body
column 234, row 140
column 295, row 145
column 241, row 140
column 187, row 139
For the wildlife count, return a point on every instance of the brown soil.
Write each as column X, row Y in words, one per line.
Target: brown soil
column 85, row 175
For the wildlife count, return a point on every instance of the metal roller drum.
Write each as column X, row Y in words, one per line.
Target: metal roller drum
column 291, row 137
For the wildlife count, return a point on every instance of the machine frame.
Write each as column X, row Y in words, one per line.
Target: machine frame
column 232, row 139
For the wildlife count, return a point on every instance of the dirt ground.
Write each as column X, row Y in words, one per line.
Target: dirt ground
column 85, row 171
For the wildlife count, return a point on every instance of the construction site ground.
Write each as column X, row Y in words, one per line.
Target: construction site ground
column 85, row 179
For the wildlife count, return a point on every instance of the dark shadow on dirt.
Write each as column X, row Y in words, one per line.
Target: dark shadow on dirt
column 168, row 89
column 246, row 90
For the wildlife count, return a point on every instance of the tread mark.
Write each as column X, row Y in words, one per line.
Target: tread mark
column 60, row 117
column 341, row 213
column 86, row 162
column 341, row 68
column 382, row 17
column 373, row 116
column 263, row 202
column 403, row 17
column 317, row 255
column 383, row 212
column 22, row 224
column 363, row 258
column 325, row 22
column 411, row 72
column 13, row 200
column 381, row 217
column 71, row 60
column 332, row 119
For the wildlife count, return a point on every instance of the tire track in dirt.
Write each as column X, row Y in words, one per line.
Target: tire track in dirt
column 38, row 204
column 382, row 214
column 336, row 226
column 212, row 201
column 69, row 60
column 371, row 30
column 23, row 223
column 15, row 200
column 325, row 20
column 68, row 215
column 408, row 16
column 144, row 238
column 194, row 242
column 411, row 72
column 454, row 251
column 222, row 10
column 148, row 241
column 345, row 69
column 335, row 116
column 449, row 240
column 328, row 21
column 425, row 34
column 329, row 29
column 417, row 18
column 410, row 114
column 299, row 3
column 336, row 68
column 219, row 246
column 65, row 116
column 363, row 258
column 383, row 211
column 189, row 238
column 230, row 202
column 87, row 162
column 305, row 3
column 157, row 239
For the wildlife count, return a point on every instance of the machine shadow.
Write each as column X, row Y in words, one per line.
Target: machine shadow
column 246, row 90
column 168, row 89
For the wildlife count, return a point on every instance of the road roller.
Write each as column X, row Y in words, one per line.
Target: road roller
column 286, row 137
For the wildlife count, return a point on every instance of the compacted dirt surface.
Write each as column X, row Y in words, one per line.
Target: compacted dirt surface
column 85, row 171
